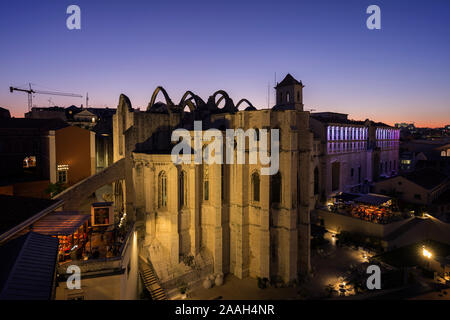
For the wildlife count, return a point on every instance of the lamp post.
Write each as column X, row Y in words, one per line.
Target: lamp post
column 427, row 254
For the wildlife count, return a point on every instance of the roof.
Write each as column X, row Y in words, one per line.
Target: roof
column 101, row 204
column 31, row 123
column 28, row 267
column 372, row 199
column 288, row 81
column 427, row 178
column 332, row 117
column 14, row 210
column 60, row 223
column 443, row 198
column 4, row 113
column 419, row 229
column 84, row 112
column 344, row 196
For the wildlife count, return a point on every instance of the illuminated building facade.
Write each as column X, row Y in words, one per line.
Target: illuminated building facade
column 198, row 219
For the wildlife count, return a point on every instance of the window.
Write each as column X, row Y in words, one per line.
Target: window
column 29, row 162
column 417, row 196
column 182, row 189
column 288, row 97
column 352, row 171
column 298, row 96
column 162, row 190
column 275, row 190
column 255, row 186
column 359, row 174
column 62, row 176
column 206, row 185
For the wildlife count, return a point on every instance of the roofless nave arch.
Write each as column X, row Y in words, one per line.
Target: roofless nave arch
column 195, row 103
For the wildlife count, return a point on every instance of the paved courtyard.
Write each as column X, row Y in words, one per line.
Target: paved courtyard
column 329, row 265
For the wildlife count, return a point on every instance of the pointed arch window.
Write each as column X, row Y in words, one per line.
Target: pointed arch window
column 162, row 190
column 255, row 187
column 275, row 188
column 206, row 185
column 182, row 189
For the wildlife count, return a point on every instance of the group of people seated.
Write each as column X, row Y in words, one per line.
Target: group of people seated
column 378, row 215
column 373, row 214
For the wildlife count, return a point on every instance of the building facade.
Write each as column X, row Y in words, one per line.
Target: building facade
column 36, row 152
column 230, row 218
column 352, row 154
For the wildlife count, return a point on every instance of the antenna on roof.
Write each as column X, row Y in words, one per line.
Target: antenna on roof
column 87, row 100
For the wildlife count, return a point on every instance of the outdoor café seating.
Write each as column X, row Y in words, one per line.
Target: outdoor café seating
column 368, row 207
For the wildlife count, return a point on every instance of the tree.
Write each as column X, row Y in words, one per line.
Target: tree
column 54, row 188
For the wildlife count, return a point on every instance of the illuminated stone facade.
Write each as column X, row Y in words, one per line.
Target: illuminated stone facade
column 197, row 219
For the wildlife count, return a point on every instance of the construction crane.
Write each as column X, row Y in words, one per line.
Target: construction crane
column 31, row 91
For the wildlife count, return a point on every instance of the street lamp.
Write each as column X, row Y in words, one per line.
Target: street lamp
column 426, row 253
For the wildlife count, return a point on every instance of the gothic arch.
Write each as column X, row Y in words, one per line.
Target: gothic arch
column 229, row 105
column 169, row 102
column 198, row 101
column 124, row 104
column 244, row 100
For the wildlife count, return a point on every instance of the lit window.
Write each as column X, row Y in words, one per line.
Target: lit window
column 29, row 162
column 62, row 170
column 62, row 176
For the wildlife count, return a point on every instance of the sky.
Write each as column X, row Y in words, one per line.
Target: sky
column 400, row 73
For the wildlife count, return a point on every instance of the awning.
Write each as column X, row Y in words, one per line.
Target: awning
column 347, row 196
column 372, row 199
column 60, row 223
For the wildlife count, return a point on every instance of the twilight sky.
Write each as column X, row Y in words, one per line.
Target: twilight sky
column 400, row 73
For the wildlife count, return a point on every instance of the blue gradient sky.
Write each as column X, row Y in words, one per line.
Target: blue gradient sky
column 396, row 74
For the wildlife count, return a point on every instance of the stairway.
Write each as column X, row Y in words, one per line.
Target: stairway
column 150, row 280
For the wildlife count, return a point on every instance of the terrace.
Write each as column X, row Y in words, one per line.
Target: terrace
column 370, row 207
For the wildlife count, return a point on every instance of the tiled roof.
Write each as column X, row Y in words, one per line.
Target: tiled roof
column 288, row 80
column 28, row 267
column 427, row 178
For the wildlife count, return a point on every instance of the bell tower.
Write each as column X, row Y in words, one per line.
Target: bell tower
column 289, row 94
